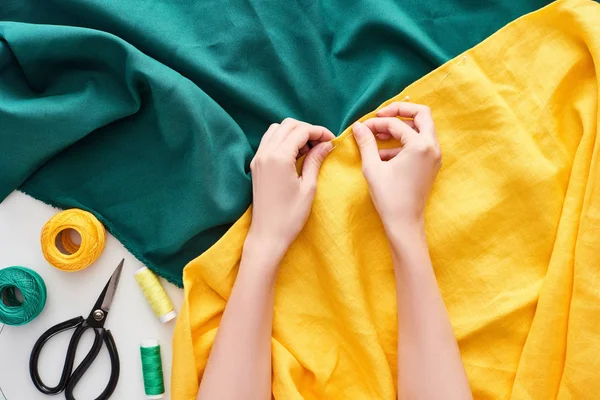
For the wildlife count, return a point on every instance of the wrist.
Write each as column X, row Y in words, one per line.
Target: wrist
column 404, row 228
column 264, row 250
column 406, row 236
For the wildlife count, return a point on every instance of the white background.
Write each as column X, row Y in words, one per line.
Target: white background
column 70, row 295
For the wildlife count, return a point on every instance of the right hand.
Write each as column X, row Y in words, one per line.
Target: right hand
column 400, row 179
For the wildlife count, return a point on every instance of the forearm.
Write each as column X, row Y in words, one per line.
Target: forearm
column 429, row 362
column 239, row 365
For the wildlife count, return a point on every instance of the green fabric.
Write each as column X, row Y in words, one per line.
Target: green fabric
column 147, row 113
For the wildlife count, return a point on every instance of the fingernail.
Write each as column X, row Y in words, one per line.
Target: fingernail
column 327, row 147
column 357, row 128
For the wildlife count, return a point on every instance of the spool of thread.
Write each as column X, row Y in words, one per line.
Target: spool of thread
column 154, row 385
column 77, row 256
column 13, row 310
column 155, row 294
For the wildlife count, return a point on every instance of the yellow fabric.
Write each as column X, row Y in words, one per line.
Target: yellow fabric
column 513, row 225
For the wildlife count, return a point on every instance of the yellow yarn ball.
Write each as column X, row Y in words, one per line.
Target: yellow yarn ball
column 93, row 240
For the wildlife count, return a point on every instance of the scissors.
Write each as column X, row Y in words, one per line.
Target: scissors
column 95, row 321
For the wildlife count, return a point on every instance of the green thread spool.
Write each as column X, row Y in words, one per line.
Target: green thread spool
column 154, row 384
column 13, row 310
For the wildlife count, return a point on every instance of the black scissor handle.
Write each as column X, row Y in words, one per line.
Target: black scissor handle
column 106, row 336
column 78, row 324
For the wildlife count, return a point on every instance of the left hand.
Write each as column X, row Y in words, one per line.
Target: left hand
column 282, row 199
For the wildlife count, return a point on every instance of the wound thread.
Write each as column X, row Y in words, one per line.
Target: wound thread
column 155, row 294
column 18, row 310
column 78, row 257
column 152, row 372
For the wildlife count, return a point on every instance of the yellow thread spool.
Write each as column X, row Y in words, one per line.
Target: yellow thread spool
column 93, row 240
column 155, row 294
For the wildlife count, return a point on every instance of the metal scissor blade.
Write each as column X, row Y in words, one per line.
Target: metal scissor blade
column 112, row 287
column 106, row 297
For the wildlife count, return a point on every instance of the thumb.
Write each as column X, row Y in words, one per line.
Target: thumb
column 366, row 143
column 313, row 161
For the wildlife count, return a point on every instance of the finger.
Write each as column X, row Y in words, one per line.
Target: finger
column 420, row 114
column 383, row 136
column 403, row 109
column 391, row 110
column 285, row 128
column 267, row 137
column 388, row 154
column 303, row 133
column 312, row 163
column 305, row 149
column 410, row 123
column 393, row 126
column 366, row 143
column 387, row 136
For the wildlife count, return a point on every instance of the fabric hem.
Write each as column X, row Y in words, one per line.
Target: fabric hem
column 113, row 232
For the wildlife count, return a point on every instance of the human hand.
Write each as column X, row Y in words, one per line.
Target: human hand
column 281, row 198
column 400, row 179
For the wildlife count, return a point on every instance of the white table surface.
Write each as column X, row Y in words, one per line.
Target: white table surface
column 70, row 295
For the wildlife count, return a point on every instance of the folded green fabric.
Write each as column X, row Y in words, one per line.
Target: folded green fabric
column 147, row 113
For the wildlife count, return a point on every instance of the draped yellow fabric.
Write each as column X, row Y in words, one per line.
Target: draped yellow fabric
column 513, row 225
